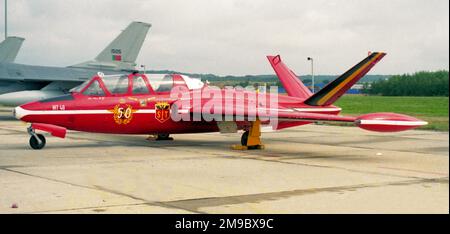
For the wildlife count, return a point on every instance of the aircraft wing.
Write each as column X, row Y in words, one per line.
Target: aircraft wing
column 282, row 114
column 310, row 117
column 380, row 122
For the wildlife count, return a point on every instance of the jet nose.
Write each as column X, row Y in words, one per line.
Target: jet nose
column 18, row 112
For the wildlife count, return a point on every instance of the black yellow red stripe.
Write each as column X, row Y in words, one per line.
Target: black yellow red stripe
column 340, row 85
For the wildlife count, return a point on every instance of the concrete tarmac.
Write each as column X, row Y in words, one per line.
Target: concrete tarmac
column 307, row 169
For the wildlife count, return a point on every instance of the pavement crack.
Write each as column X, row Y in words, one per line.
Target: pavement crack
column 198, row 203
column 99, row 188
column 152, row 203
column 320, row 166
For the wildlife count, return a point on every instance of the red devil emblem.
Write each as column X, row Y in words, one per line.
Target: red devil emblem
column 162, row 111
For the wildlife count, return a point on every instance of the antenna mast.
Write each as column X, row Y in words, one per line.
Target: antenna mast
column 6, row 19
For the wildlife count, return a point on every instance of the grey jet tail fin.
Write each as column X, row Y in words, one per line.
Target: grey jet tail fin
column 9, row 48
column 122, row 52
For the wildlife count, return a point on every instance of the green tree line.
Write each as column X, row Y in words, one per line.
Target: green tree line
column 422, row 83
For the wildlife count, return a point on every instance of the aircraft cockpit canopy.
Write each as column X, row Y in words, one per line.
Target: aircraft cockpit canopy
column 135, row 84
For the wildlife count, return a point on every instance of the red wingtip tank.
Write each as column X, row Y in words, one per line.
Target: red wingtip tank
column 388, row 122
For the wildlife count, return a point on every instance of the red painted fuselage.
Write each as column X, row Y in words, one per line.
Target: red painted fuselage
column 130, row 113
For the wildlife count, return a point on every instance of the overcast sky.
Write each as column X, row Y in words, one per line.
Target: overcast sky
column 234, row 36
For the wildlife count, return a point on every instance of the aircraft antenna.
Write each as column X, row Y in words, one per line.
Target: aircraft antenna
column 6, row 19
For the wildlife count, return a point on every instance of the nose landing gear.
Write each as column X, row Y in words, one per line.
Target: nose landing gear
column 37, row 141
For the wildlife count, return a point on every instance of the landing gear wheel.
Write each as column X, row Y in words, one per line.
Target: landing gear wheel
column 244, row 138
column 37, row 144
column 164, row 137
column 251, row 139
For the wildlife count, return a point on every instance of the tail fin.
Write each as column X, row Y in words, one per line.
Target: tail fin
column 122, row 52
column 126, row 47
column 335, row 89
column 293, row 85
column 9, row 48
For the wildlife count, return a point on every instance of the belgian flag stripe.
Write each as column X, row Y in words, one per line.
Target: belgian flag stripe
column 328, row 92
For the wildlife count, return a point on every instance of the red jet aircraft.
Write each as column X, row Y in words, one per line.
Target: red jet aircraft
column 145, row 104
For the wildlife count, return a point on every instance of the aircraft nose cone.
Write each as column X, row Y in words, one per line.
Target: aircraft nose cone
column 18, row 112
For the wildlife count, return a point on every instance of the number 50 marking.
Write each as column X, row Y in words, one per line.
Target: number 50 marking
column 124, row 113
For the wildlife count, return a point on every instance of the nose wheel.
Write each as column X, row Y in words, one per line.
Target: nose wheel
column 37, row 141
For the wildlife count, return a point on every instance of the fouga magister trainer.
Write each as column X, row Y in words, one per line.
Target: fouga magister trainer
column 163, row 104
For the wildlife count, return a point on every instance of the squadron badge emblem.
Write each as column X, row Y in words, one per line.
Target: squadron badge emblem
column 162, row 111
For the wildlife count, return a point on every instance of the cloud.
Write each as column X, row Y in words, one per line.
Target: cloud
column 234, row 36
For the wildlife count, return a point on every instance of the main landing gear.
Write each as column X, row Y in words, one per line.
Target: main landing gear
column 160, row 137
column 164, row 137
column 37, row 141
column 251, row 139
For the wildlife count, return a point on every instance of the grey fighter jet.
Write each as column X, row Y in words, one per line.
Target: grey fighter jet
column 20, row 83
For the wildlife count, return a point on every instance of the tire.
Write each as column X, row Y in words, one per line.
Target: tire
column 244, row 138
column 163, row 136
column 34, row 142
